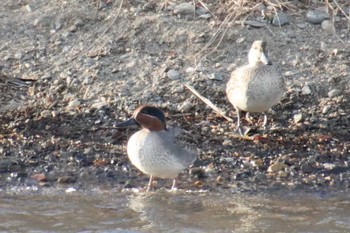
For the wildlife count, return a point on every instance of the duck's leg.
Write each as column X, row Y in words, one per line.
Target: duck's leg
column 265, row 121
column 174, row 187
column 150, row 184
column 247, row 118
column 238, row 128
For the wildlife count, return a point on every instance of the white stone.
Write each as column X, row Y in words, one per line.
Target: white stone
column 173, row 74
column 306, row 90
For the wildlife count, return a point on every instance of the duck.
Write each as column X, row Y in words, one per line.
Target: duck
column 158, row 150
column 257, row 86
column 12, row 92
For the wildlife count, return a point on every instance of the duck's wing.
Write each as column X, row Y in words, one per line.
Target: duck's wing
column 185, row 143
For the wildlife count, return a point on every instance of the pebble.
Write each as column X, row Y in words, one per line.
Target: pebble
column 205, row 16
column 186, row 106
column 329, row 165
column 227, row 142
column 45, row 113
column 298, row 117
column 306, row 168
column 66, row 180
column 316, row 16
column 277, row 167
column 328, row 26
column 257, row 163
column 301, row 25
column 79, row 23
column 255, row 24
column 306, row 90
column 184, row 9
column 28, row 8
column 280, row 19
column 240, row 40
column 283, row 174
column 74, row 103
column 178, row 89
column 18, row 56
column 70, row 190
column 216, row 76
column 323, row 46
column 326, row 109
column 41, row 177
column 288, row 73
column 73, row 28
column 99, row 105
column 334, row 93
column 173, row 74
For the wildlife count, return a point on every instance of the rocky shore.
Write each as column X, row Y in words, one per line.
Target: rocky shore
column 96, row 61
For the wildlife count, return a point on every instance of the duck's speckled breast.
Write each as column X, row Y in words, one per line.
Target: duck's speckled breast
column 155, row 153
column 255, row 88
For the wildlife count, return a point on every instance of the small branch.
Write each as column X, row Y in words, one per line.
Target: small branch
column 208, row 102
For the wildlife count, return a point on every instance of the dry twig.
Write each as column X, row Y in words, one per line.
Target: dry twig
column 208, row 102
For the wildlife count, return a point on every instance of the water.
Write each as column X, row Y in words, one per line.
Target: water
column 108, row 211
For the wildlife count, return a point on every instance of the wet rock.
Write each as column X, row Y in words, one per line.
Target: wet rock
column 306, row 168
column 316, row 16
column 10, row 166
column 334, row 93
column 336, row 170
column 173, row 74
column 198, row 172
column 280, row 19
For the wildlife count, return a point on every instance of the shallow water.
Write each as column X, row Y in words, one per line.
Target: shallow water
column 108, row 211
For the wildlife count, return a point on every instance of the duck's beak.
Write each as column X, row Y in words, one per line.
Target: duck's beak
column 264, row 59
column 127, row 123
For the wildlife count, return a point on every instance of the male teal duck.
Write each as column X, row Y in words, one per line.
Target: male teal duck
column 255, row 87
column 157, row 150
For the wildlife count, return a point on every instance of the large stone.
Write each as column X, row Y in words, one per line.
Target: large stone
column 280, row 19
column 316, row 16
